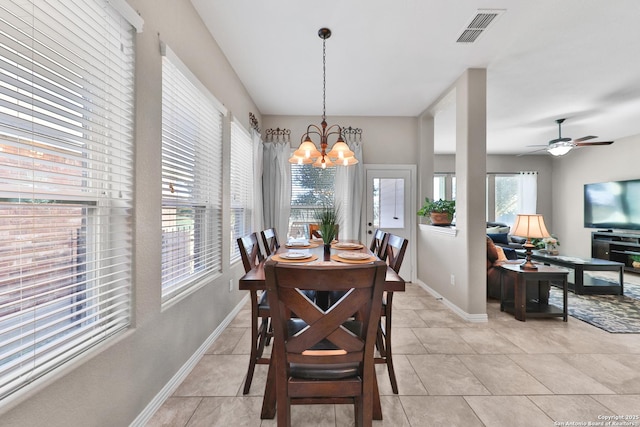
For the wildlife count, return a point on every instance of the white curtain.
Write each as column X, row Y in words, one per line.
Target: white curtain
column 276, row 186
column 349, row 191
column 528, row 192
column 258, row 216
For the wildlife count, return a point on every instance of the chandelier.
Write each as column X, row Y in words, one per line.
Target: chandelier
column 308, row 152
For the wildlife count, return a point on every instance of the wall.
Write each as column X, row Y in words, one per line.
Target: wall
column 112, row 384
column 586, row 165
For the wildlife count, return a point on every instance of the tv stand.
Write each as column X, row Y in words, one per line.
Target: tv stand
column 615, row 246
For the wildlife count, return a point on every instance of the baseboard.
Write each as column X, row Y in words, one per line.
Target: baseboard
column 474, row 318
column 143, row 418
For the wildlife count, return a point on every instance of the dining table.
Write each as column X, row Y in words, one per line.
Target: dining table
column 254, row 280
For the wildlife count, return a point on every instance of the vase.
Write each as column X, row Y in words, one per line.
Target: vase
column 327, row 251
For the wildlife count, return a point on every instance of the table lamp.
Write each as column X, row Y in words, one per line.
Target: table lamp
column 529, row 226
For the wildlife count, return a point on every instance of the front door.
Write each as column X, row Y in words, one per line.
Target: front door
column 390, row 206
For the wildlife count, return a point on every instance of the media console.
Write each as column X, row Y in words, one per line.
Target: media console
column 614, row 246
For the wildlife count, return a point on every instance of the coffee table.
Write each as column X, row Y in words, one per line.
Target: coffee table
column 578, row 282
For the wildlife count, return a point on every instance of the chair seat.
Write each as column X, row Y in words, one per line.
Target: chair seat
column 324, row 372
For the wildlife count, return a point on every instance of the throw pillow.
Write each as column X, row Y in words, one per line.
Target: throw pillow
column 492, row 253
column 504, row 229
column 501, row 255
column 493, row 230
column 499, row 238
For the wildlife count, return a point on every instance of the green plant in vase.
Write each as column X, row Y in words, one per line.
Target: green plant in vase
column 327, row 218
column 635, row 261
column 440, row 211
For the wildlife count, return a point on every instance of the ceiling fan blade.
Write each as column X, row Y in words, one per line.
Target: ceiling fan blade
column 537, row 145
column 584, row 138
column 532, row 152
column 586, row 144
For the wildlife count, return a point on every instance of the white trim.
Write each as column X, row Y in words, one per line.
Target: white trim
column 147, row 413
column 473, row 318
column 128, row 13
column 165, row 50
column 450, row 230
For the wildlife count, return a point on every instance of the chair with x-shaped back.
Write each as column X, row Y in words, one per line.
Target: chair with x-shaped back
column 251, row 256
column 394, row 250
column 379, row 243
column 270, row 241
column 325, row 356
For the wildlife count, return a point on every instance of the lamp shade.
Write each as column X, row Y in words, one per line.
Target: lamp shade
column 530, row 226
column 323, row 162
column 339, row 151
column 307, row 149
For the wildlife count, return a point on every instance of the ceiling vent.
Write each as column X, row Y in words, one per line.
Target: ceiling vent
column 478, row 24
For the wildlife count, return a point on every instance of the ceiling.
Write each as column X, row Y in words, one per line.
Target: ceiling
column 545, row 59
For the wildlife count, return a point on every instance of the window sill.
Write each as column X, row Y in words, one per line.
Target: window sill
column 448, row 230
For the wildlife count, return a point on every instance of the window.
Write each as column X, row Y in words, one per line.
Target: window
column 66, row 125
column 241, row 186
column 311, row 188
column 191, row 178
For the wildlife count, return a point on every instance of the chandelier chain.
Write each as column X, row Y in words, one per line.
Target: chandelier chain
column 324, row 79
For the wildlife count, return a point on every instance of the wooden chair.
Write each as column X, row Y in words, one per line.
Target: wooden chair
column 325, row 357
column 394, row 250
column 270, row 241
column 314, row 231
column 251, row 256
column 379, row 243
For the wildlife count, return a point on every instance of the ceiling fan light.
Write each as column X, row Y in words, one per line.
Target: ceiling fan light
column 559, row 149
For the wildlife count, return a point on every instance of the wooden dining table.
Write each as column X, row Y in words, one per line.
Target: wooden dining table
column 254, row 280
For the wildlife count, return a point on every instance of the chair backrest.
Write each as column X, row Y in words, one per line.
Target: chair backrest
column 250, row 251
column 394, row 251
column 314, row 231
column 324, row 337
column 270, row 241
column 379, row 243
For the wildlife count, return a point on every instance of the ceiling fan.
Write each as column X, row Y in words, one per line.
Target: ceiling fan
column 561, row 146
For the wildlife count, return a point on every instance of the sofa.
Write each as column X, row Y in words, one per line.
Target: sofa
column 499, row 233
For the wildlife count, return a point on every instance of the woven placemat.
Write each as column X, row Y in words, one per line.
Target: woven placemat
column 335, row 257
column 280, row 259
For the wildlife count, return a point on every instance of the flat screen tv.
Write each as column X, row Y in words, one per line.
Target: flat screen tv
column 612, row 205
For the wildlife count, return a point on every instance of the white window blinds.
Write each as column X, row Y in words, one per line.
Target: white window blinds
column 311, row 188
column 66, row 126
column 191, row 178
column 242, row 167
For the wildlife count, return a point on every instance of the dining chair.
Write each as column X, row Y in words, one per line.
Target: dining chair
column 325, row 356
column 378, row 243
column 260, row 329
column 393, row 254
column 270, row 241
column 314, row 231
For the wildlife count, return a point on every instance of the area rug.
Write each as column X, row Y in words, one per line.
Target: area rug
column 612, row 313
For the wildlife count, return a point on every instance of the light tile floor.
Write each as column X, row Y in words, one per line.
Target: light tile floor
column 542, row 372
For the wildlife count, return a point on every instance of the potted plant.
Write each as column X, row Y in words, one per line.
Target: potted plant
column 635, row 261
column 327, row 218
column 439, row 211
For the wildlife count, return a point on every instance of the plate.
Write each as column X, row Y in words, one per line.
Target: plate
column 347, row 245
column 353, row 255
column 296, row 255
column 300, row 243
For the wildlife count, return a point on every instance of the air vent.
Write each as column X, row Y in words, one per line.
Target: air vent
column 478, row 24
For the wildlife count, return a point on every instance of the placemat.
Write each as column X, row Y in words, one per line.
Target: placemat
column 335, row 257
column 346, row 248
column 280, row 259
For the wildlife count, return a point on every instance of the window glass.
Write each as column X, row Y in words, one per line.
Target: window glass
column 241, row 186
column 191, row 178
column 311, row 188
column 506, row 198
column 66, row 126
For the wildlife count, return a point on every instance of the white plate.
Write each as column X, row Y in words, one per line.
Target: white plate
column 296, row 255
column 296, row 245
column 348, row 245
column 353, row 255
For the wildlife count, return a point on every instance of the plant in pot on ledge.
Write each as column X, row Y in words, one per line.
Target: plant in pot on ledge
column 327, row 218
column 439, row 211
